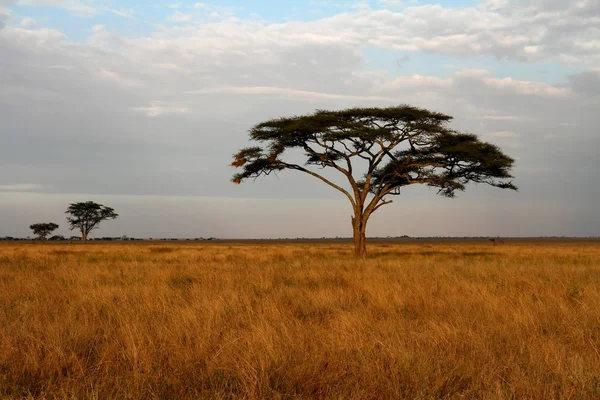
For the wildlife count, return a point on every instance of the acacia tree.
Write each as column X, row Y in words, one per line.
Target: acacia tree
column 377, row 151
column 43, row 229
column 86, row 216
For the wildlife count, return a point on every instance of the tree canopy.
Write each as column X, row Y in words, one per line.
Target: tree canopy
column 86, row 216
column 395, row 146
column 43, row 229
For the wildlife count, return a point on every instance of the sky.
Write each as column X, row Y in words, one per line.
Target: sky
column 141, row 105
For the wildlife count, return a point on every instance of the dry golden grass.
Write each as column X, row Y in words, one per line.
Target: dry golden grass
column 414, row 321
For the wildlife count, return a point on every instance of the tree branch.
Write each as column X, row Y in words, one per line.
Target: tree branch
column 333, row 185
column 383, row 203
column 347, row 173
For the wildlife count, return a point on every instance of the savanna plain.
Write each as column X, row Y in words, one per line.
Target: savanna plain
column 414, row 320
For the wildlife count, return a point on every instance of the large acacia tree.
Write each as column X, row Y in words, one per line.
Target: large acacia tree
column 86, row 216
column 378, row 151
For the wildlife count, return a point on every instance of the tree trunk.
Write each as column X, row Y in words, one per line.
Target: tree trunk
column 359, row 226
column 83, row 237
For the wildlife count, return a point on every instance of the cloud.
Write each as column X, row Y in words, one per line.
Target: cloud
column 586, row 83
column 417, row 81
column 483, row 76
column 179, row 17
column 512, row 30
column 28, row 22
column 402, row 60
column 5, row 11
column 290, row 93
column 160, row 109
column 501, row 117
column 123, row 12
column 392, row 3
column 29, row 37
column 21, row 187
column 529, row 88
column 198, row 91
column 77, row 7
column 216, row 11
column 161, row 113
column 118, row 78
column 503, row 134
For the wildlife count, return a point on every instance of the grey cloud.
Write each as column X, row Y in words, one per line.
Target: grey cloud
column 535, row 7
column 516, row 31
column 5, row 12
column 559, row 29
column 587, row 83
column 159, row 117
column 403, row 60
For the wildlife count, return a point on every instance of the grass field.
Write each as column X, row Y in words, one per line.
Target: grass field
column 416, row 320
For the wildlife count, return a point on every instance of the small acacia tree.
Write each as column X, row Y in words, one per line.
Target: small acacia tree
column 86, row 216
column 378, row 151
column 42, row 230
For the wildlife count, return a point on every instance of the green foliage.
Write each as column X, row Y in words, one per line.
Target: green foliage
column 448, row 161
column 86, row 216
column 431, row 153
column 42, row 230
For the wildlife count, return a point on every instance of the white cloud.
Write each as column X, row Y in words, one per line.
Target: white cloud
column 528, row 88
column 501, row 117
column 215, row 11
column 495, row 5
column 28, row 22
column 123, row 12
column 179, row 17
column 502, row 28
column 429, row 83
column 427, row 28
column 61, row 67
column 38, row 36
column 21, row 187
column 118, row 78
column 392, row 3
column 418, row 81
column 160, row 109
column 531, row 49
column 78, row 7
column 503, row 134
column 289, row 93
column 5, row 12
